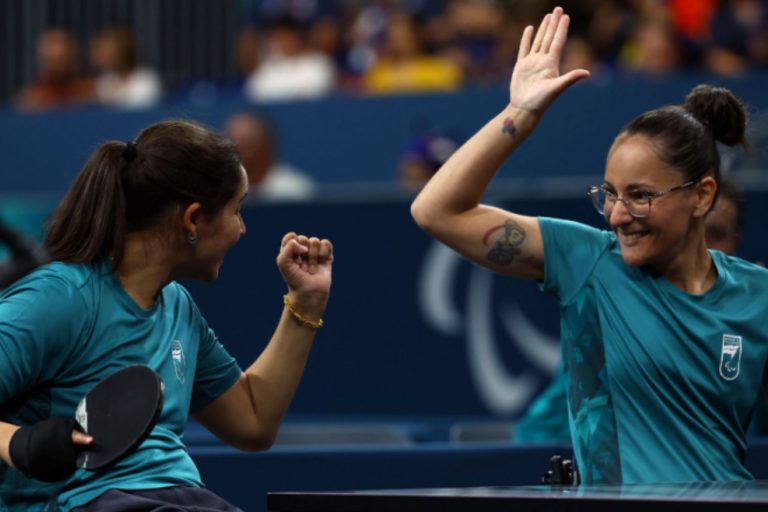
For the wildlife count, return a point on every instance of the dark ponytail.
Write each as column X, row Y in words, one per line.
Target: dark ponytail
column 685, row 136
column 128, row 187
column 89, row 224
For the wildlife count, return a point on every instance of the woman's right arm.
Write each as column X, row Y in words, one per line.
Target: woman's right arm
column 39, row 323
column 6, row 432
column 449, row 208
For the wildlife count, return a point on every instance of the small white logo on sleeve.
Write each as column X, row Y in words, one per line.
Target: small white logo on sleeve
column 179, row 363
column 730, row 357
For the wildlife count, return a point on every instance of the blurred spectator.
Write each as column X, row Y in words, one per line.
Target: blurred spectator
column 579, row 54
column 120, row 81
column 362, row 34
column 609, row 27
column 653, row 50
column 247, row 50
column 255, row 137
column 403, row 65
column 692, row 19
column 469, row 33
column 422, row 157
column 739, row 38
column 298, row 49
column 287, row 68
column 691, row 22
column 59, row 82
column 325, row 37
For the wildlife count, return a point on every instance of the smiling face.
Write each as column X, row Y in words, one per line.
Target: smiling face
column 672, row 230
column 216, row 235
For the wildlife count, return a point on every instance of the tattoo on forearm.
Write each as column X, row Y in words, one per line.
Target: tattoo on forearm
column 509, row 127
column 507, row 248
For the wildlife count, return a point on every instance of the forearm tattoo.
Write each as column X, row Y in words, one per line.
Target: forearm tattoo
column 509, row 127
column 507, row 248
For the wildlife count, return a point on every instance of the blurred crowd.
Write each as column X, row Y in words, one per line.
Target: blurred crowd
column 300, row 49
column 115, row 77
column 392, row 46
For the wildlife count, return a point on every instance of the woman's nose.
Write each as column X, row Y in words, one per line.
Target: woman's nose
column 619, row 214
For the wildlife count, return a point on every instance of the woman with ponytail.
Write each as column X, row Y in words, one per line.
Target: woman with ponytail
column 141, row 215
column 664, row 341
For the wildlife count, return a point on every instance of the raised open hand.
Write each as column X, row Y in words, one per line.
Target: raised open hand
column 536, row 81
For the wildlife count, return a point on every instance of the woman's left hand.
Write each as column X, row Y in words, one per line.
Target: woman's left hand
column 305, row 263
column 536, row 80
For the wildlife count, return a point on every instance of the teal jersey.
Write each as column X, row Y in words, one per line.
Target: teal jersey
column 662, row 383
column 64, row 328
column 546, row 419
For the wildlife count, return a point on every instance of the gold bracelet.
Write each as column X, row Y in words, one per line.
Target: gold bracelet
column 314, row 325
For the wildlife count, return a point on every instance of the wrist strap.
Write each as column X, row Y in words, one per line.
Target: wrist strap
column 45, row 450
column 312, row 324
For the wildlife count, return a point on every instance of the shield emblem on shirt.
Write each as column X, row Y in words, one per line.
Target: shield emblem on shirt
column 730, row 357
column 179, row 363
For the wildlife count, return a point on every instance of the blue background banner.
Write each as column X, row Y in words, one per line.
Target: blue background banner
column 345, row 140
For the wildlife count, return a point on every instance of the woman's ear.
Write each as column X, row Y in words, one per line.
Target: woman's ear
column 190, row 218
column 705, row 195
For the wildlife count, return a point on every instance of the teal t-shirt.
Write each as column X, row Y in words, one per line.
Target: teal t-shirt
column 546, row 419
column 64, row 328
column 662, row 383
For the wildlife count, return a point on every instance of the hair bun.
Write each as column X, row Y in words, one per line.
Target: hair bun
column 720, row 111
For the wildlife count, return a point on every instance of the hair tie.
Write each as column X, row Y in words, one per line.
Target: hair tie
column 130, row 152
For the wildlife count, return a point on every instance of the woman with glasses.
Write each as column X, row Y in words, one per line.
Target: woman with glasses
column 664, row 342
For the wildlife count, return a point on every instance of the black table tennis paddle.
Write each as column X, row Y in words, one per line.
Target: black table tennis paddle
column 118, row 412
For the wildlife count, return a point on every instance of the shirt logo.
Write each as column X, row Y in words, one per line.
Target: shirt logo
column 730, row 357
column 179, row 363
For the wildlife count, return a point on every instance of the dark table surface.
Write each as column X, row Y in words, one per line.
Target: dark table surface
column 695, row 497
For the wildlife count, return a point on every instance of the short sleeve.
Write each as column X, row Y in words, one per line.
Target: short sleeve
column 216, row 370
column 571, row 251
column 42, row 317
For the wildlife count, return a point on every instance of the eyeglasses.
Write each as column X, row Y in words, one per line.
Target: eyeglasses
column 637, row 202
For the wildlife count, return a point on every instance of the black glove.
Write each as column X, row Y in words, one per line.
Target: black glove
column 45, row 450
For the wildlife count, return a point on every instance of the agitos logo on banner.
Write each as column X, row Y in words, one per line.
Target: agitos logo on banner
column 504, row 391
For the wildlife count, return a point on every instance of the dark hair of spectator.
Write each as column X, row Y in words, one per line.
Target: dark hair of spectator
column 176, row 163
column 125, row 41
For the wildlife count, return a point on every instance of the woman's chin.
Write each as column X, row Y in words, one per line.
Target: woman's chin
column 214, row 273
column 209, row 274
column 632, row 258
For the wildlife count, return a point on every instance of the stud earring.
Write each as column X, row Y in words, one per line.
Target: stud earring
column 192, row 238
